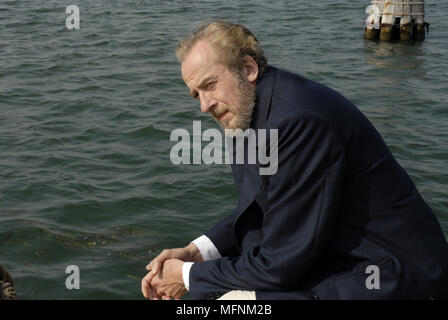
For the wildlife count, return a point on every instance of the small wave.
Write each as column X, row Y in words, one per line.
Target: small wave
column 147, row 132
column 101, row 43
column 123, row 115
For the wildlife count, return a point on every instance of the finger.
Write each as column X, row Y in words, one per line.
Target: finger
column 160, row 259
column 160, row 293
column 145, row 287
column 178, row 296
column 152, row 278
column 146, row 284
column 153, row 295
column 150, row 265
column 156, row 265
column 155, row 281
column 166, row 298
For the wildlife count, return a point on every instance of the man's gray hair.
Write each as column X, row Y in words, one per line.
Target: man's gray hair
column 233, row 41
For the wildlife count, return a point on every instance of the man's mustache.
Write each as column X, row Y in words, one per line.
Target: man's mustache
column 220, row 110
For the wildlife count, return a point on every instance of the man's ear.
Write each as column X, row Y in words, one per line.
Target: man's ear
column 250, row 69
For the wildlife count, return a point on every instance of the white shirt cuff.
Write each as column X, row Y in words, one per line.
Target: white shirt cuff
column 186, row 274
column 207, row 248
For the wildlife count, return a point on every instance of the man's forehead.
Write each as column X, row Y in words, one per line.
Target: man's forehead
column 198, row 60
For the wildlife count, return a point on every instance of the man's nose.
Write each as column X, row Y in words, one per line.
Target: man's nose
column 207, row 102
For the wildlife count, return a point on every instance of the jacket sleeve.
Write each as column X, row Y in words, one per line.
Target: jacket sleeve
column 302, row 206
column 222, row 236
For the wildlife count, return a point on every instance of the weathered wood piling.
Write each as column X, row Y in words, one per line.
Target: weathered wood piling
column 392, row 20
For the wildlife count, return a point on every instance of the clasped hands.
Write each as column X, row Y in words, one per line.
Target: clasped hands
column 164, row 280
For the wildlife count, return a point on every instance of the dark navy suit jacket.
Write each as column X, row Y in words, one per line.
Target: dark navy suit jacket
column 338, row 203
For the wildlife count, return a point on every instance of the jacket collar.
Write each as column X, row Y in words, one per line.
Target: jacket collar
column 263, row 95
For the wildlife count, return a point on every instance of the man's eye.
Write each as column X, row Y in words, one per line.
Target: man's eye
column 211, row 85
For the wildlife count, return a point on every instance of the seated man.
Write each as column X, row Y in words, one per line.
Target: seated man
column 339, row 219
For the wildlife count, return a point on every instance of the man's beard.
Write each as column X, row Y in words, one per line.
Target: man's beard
column 242, row 116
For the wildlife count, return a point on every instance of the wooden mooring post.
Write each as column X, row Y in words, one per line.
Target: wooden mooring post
column 391, row 20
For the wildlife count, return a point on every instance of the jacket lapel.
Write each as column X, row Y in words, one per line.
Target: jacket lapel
column 246, row 176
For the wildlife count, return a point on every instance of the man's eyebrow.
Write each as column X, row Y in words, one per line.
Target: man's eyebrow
column 202, row 83
column 193, row 93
